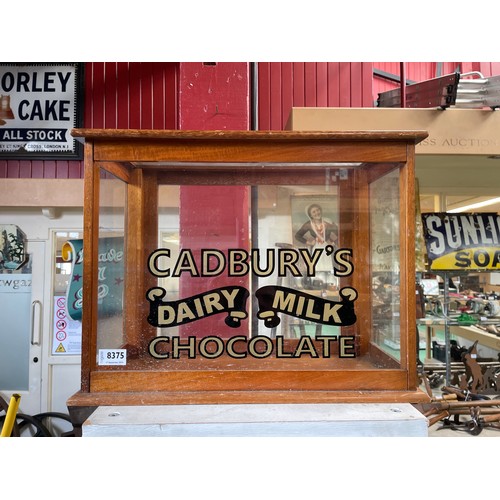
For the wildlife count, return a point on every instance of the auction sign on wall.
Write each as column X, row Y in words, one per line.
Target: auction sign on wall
column 39, row 105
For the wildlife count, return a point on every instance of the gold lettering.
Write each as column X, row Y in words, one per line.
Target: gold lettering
column 305, row 347
column 326, row 341
column 279, row 348
column 330, row 311
column 166, row 315
column 183, row 312
column 211, row 301
column 347, row 347
column 190, row 347
column 309, row 312
column 185, row 262
column 283, row 304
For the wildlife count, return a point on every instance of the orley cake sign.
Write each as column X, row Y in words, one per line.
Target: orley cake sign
column 38, row 108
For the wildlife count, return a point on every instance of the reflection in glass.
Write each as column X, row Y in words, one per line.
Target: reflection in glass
column 385, row 254
column 111, row 258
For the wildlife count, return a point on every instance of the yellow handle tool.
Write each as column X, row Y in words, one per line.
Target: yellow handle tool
column 10, row 417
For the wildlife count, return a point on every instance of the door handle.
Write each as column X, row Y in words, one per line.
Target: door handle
column 34, row 305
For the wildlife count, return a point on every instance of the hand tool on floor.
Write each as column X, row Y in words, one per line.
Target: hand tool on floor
column 439, row 406
column 477, row 423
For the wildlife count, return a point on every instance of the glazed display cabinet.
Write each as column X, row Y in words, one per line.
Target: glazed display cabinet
column 247, row 267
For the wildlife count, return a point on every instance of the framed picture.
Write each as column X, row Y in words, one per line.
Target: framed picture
column 39, row 105
column 314, row 219
column 315, row 226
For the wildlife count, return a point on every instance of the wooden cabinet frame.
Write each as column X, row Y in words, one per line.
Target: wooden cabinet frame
column 143, row 159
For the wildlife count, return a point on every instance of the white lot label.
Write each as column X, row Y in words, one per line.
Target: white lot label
column 112, row 357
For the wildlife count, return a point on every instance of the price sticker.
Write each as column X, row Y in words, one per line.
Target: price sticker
column 112, row 357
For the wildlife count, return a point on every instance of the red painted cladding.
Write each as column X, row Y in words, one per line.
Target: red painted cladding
column 282, row 86
column 131, row 95
column 38, row 169
column 214, row 96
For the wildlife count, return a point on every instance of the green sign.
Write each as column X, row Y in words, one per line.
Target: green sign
column 111, row 274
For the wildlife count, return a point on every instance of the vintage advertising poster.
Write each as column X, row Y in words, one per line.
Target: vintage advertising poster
column 111, row 276
column 462, row 241
column 315, row 227
column 39, row 105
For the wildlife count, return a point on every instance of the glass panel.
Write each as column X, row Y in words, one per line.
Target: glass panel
column 385, row 251
column 168, row 221
column 259, row 274
column 111, row 261
column 295, row 227
column 15, row 312
column 247, row 272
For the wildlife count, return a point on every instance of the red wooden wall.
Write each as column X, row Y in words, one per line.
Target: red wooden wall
column 310, row 84
column 131, row 95
column 146, row 95
column 214, row 96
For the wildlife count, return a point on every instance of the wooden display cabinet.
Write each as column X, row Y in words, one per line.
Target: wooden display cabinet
column 209, row 279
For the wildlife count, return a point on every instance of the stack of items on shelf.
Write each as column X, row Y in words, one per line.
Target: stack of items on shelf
column 467, row 308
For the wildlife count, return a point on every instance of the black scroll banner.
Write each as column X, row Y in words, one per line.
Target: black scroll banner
column 276, row 299
column 230, row 299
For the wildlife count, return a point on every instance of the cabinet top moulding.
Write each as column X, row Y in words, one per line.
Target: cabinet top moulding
column 269, row 135
column 224, row 146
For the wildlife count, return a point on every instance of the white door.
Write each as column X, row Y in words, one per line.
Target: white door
column 21, row 320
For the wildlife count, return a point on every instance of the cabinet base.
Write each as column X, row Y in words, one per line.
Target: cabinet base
column 82, row 404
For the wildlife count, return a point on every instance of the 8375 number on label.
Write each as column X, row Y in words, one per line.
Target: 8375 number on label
column 112, row 357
